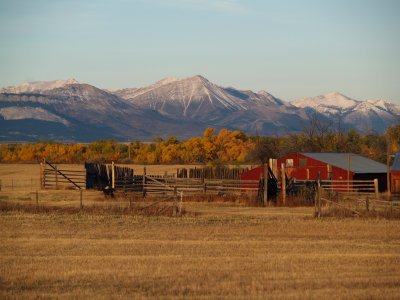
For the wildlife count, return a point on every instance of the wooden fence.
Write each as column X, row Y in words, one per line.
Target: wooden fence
column 211, row 173
column 161, row 185
column 355, row 196
column 120, row 178
column 53, row 177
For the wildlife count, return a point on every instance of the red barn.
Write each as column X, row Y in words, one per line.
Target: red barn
column 395, row 174
column 335, row 166
column 306, row 165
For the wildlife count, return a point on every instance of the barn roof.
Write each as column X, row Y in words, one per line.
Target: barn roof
column 396, row 163
column 358, row 164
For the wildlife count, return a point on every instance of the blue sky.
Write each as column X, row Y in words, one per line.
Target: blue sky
column 291, row 49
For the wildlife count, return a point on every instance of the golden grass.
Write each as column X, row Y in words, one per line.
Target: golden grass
column 228, row 252
column 222, row 249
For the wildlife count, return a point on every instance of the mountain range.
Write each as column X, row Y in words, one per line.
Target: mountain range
column 69, row 111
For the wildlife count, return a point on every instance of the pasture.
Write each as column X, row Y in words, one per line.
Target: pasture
column 218, row 250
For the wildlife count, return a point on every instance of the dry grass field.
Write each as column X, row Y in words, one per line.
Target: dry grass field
column 225, row 252
column 217, row 250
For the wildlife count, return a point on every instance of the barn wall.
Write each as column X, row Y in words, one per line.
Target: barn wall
column 395, row 181
column 313, row 166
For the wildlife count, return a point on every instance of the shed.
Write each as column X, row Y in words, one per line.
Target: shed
column 333, row 165
column 395, row 174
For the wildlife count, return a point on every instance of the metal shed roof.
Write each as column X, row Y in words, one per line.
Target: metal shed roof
column 358, row 164
column 396, row 163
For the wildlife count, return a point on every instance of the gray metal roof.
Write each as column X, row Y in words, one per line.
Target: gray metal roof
column 396, row 163
column 358, row 164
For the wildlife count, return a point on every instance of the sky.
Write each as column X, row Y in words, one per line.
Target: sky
column 289, row 48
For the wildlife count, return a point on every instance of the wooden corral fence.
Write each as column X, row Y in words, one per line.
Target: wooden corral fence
column 355, row 196
column 100, row 176
column 193, row 186
column 53, row 177
column 211, row 173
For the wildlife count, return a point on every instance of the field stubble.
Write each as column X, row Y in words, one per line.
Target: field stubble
column 226, row 250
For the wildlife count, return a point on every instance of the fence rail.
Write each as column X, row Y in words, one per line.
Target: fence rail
column 159, row 185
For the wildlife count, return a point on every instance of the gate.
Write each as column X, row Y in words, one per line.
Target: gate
column 53, row 177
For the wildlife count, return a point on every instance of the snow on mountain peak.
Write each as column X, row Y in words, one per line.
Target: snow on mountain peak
column 166, row 81
column 333, row 100
column 37, row 86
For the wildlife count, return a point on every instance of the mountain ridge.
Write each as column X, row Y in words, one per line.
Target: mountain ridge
column 171, row 107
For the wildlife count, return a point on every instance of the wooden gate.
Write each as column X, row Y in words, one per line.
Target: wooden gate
column 53, row 177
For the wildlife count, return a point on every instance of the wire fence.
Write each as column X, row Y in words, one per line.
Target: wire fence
column 16, row 184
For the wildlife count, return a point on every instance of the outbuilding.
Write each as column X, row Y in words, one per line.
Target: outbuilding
column 333, row 165
column 395, row 174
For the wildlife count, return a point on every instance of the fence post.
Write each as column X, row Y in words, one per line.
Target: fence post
column 204, row 189
column 367, row 204
column 37, row 198
column 376, row 188
column 283, row 183
column 319, row 198
column 144, row 182
column 180, row 205
column 175, row 201
column 56, row 175
column 112, row 175
column 41, row 176
column 81, row 199
column 265, row 184
column 348, row 173
column 315, row 202
column 319, row 194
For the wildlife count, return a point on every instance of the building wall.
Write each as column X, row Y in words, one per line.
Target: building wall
column 310, row 170
column 395, row 181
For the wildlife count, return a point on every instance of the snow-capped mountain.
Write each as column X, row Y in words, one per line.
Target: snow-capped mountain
column 78, row 112
column 197, row 99
column 365, row 116
column 66, row 110
column 194, row 97
column 29, row 87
